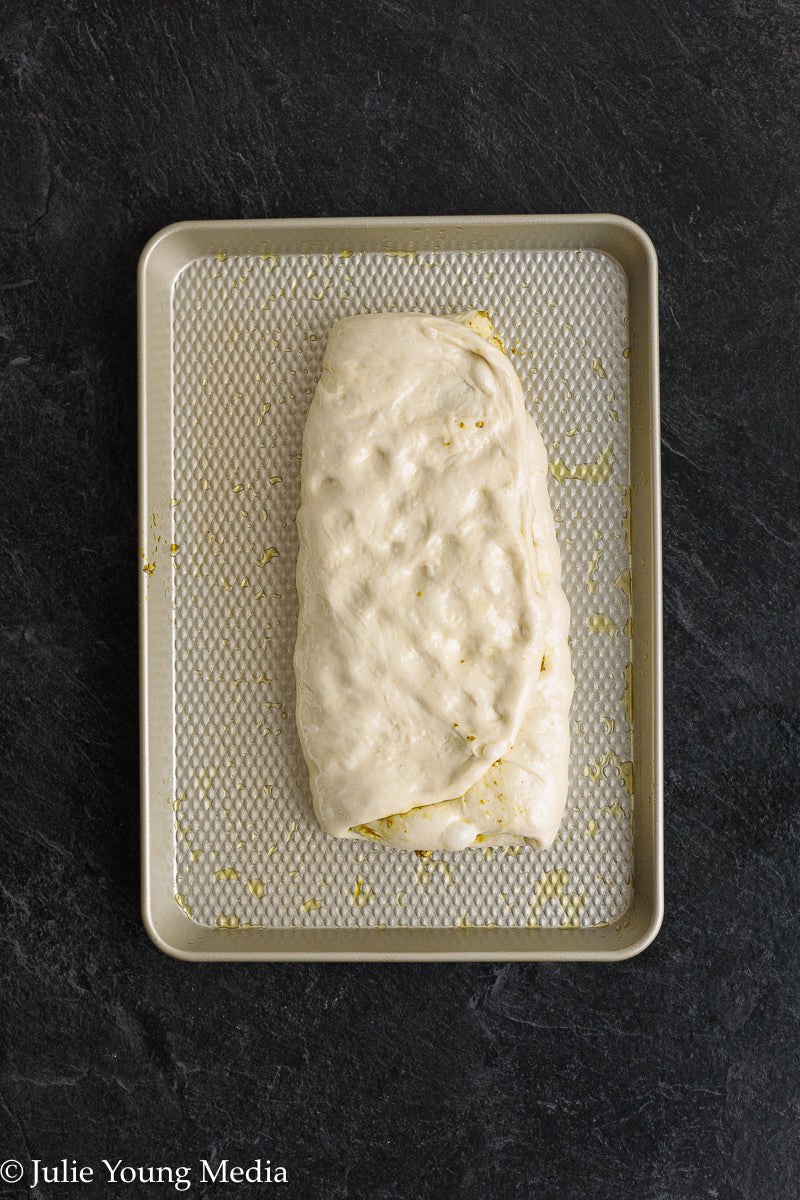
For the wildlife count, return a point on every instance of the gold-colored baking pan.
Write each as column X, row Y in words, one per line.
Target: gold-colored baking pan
column 233, row 318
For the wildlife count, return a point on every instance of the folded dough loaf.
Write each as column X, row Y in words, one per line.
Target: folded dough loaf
column 432, row 665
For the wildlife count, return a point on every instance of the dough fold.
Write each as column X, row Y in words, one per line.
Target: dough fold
column 432, row 662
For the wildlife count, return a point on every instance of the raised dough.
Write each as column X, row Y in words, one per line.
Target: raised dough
column 433, row 679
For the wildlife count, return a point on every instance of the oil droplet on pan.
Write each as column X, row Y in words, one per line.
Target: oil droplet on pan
column 600, row 623
column 589, row 472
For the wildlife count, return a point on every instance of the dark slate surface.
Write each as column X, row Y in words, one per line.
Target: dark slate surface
column 670, row 1077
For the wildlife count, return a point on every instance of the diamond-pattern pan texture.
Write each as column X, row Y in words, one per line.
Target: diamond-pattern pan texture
column 248, row 334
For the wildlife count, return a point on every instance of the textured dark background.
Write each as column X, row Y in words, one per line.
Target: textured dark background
column 669, row 1077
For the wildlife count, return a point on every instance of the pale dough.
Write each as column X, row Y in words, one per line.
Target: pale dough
column 432, row 662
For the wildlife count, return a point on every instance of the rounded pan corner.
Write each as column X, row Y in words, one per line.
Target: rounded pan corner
column 165, row 941
column 162, row 235
column 162, row 241
column 626, row 225
column 644, row 937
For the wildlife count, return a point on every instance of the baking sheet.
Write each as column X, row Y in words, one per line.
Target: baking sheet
column 248, row 330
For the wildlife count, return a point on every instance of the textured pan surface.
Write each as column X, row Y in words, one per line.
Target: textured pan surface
column 248, row 333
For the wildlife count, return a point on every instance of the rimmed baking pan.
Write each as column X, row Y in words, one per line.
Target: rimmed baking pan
column 233, row 319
